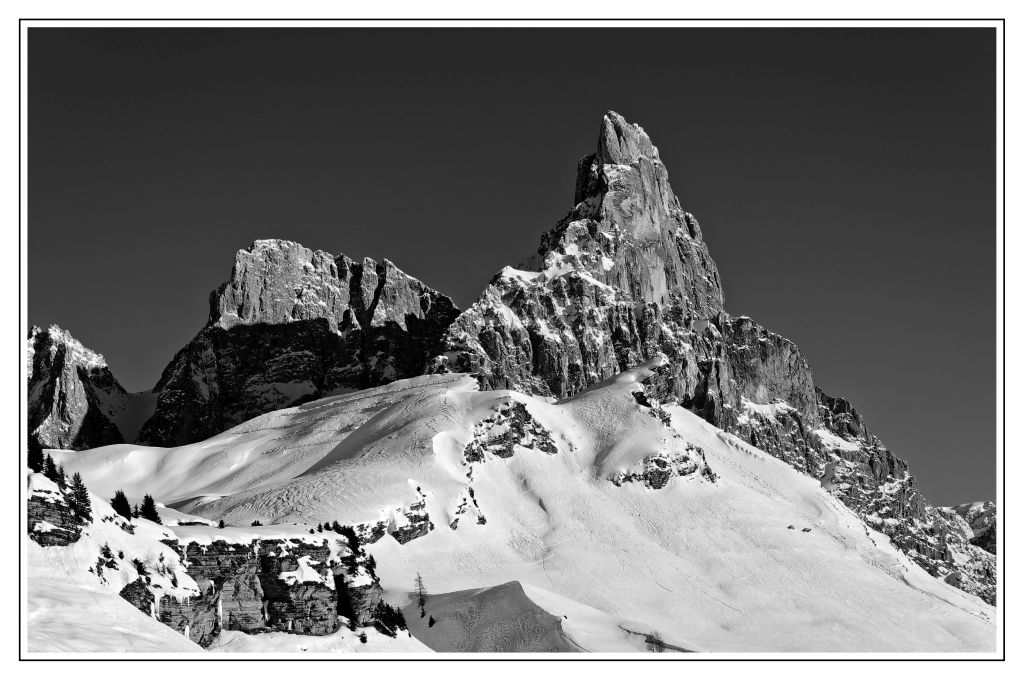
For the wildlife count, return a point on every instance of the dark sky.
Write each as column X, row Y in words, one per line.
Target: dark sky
column 844, row 180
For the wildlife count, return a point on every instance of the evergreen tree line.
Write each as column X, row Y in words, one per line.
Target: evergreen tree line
column 122, row 507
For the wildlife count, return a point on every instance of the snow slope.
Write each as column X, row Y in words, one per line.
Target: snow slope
column 71, row 588
column 343, row 641
column 74, row 618
column 708, row 565
column 273, row 447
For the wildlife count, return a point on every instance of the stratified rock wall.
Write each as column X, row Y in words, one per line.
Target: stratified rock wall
column 286, row 585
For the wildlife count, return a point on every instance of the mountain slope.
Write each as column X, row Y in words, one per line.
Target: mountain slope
column 608, row 502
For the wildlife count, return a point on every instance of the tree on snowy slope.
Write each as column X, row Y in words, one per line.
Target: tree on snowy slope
column 351, row 537
column 121, row 505
column 50, row 469
column 35, row 455
column 148, row 510
column 80, row 497
column 421, row 595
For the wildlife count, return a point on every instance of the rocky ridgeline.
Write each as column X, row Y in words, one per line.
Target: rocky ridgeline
column 72, row 395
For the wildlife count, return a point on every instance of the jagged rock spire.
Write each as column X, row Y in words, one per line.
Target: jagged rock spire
column 592, row 302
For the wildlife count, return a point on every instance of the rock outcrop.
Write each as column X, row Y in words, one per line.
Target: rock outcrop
column 980, row 521
column 73, row 398
column 287, row 585
column 51, row 519
column 625, row 276
column 291, row 325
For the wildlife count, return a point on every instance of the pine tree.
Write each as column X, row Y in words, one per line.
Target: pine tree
column 35, row 455
column 220, row 524
column 149, row 509
column 121, row 505
column 135, row 511
column 320, row 528
column 62, row 478
column 352, row 538
column 80, row 497
column 421, row 595
column 50, row 468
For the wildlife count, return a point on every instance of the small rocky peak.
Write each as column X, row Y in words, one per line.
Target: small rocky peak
column 59, row 346
column 277, row 281
column 622, row 142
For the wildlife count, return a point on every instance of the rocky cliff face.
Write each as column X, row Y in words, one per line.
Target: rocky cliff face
column 288, row 585
column 979, row 523
column 294, row 324
column 73, row 399
column 626, row 275
column 51, row 519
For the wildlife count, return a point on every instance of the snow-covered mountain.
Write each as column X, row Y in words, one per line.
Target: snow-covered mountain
column 595, row 445
column 630, row 518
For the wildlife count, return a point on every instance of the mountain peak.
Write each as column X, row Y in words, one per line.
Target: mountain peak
column 622, row 142
column 54, row 338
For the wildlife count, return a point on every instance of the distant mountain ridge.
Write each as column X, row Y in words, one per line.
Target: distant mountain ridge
column 624, row 277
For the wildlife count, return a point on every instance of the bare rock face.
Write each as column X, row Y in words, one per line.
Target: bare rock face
column 72, row 395
column 51, row 519
column 980, row 518
column 287, row 585
column 292, row 325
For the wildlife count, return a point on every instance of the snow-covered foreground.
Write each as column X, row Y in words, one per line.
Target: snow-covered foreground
column 708, row 565
column 75, row 618
column 343, row 641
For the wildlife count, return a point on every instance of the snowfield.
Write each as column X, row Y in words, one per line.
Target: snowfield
column 754, row 557
column 76, row 618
